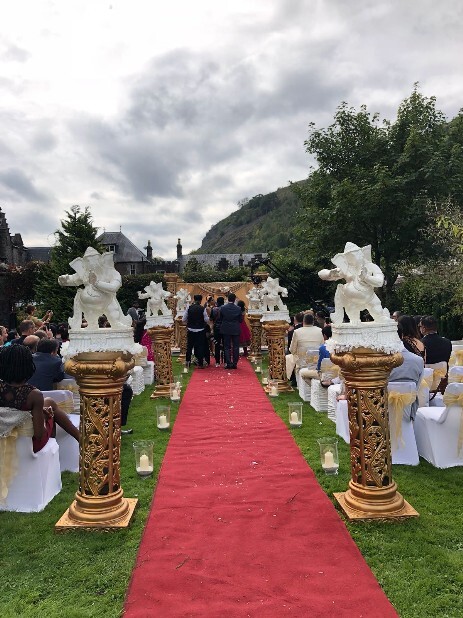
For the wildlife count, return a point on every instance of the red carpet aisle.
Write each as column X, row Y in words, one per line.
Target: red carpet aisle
column 239, row 525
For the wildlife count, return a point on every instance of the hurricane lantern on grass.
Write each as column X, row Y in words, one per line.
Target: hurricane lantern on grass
column 163, row 417
column 143, row 457
column 175, row 392
column 273, row 388
column 264, row 376
column 329, row 455
column 295, row 414
column 258, row 368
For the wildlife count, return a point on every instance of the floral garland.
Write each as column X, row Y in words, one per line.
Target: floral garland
column 219, row 287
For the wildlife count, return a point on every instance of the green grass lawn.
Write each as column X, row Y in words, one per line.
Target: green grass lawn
column 418, row 562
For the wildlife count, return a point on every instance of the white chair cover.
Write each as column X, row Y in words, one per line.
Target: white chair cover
column 403, row 443
column 439, row 431
column 138, row 383
column 309, row 361
column 68, row 446
column 456, row 374
column 439, row 372
column 37, row 479
column 424, row 385
column 342, row 420
column 318, row 396
column 333, row 391
column 148, row 373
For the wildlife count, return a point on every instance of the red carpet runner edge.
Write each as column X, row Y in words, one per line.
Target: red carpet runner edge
column 239, row 526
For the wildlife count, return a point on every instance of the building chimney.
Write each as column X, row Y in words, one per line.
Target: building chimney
column 149, row 250
column 179, row 249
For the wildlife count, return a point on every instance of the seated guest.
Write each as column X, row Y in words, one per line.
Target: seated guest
column 3, row 335
column 31, row 342
column 309, row 336
column 322, row 353
column 12, row 334
column 25, row 328
column 411, row 336
column 298, row 323
column 48, row 365
column 411, row 370
column 438, row 349
column 16, row 368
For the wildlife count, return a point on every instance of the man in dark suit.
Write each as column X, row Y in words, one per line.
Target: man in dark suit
column 48, row 365
column 230, row 328
column 196, row 318
column 438, row 348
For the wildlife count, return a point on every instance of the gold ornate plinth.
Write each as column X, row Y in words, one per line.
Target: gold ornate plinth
column 182, row 338
column 256, row 336
column 160, row 342
column 276, row 331
column 100, row 502
column 372, row 493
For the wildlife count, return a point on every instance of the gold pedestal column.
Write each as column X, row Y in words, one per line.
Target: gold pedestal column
column 276, row 331
column 160, row 341
column 372, row 493
column 100, row 502
column 256, row 336
column 182, row 338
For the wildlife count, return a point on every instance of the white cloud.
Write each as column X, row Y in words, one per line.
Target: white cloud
column 161, row 116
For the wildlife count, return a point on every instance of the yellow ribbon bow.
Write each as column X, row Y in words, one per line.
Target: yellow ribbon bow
column 455, row 378
column 437, row 376
column 456, row 358
column 9, row 456
column 452, row 399
column 397, row 403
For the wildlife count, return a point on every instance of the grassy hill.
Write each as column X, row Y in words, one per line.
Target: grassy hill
column 262, row 224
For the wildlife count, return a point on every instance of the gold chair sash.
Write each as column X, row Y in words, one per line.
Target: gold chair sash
column 9, row 457
column 426, row 382
column 437, row 376
column 452, row 399
column 397, row 403
column 456, row 378
column 67, row 387
column 456, row 358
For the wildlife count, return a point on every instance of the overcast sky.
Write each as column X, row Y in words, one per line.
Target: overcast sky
column 160, row 116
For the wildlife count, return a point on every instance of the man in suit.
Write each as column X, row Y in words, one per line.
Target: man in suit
column 196, row 318
column 438, row 349
column 230, row 328
column 48, row 365
column 309, row 336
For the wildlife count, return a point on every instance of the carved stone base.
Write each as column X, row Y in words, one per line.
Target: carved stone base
column 67, row 522
column 160, row 342
column 405, row 512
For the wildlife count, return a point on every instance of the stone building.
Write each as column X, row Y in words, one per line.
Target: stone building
column 218, row 261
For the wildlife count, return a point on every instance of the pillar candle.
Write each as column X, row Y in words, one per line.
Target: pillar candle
column 329, row 459
column 163, row 421
column 264, row 381
column 258, row 369
column 274, row 391
column 144, row 463
column 185, row 370
column 294, row 417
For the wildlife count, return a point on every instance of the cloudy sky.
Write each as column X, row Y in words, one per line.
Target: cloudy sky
column 160, row 116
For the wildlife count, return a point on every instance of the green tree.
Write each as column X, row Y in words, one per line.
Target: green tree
column 377, row 184
column 76, row 234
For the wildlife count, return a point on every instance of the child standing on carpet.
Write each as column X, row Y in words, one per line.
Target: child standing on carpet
column 245, row 333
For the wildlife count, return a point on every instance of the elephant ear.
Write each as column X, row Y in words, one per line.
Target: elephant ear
column 340, row 262
column 367, row 253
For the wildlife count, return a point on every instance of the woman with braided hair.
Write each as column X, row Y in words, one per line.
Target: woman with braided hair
column 16, row 368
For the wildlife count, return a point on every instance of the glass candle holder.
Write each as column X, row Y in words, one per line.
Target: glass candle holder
column 163, row 417
column 258, row 369
column 143, row 450
column 175, row 392
column 273, row 388
column 329, row 455
column 295, row 414
column 178, row 379
column 264, row 376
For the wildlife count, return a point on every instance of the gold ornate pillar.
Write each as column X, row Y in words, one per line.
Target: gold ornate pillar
column 100, row 501
column 276, row 331
column 372, row 493
column 182, row 338
column 171, row 280
column 160, row 341
column 256, row 335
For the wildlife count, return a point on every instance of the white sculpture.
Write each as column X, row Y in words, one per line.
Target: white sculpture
column 101, row 281
column 271, row 295
column 362, row 277
column 255, row 299
column 183, row 300
column 156, row 295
